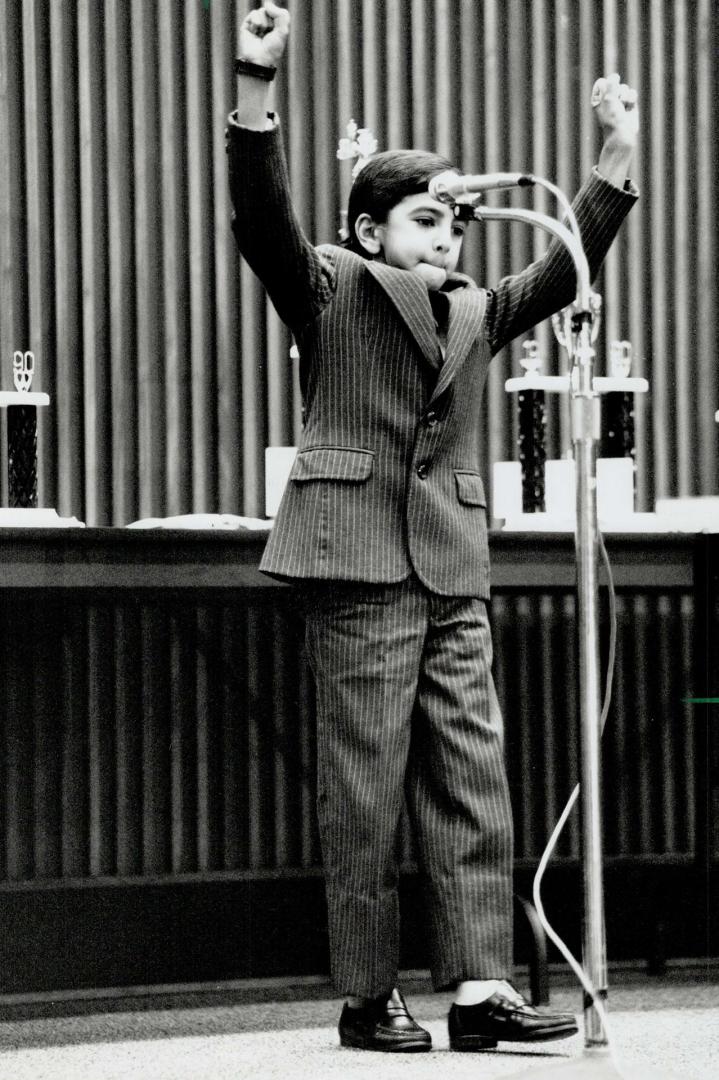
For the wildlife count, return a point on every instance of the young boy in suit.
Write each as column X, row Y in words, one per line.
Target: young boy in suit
column 383, row 529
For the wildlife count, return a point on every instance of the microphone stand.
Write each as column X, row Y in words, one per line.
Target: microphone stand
column 586, row 430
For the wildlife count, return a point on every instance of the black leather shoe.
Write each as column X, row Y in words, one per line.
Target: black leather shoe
column 505, row 1017
column 384, row 1024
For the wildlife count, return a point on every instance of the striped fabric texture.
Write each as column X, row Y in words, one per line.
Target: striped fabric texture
column 406, row 707
column 387, row 479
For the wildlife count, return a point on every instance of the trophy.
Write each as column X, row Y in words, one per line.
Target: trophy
column 22, row 404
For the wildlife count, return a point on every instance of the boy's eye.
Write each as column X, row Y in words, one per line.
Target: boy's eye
column 426, row 222
column 458, row 230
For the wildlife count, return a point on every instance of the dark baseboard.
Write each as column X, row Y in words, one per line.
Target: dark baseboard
column 64, row 937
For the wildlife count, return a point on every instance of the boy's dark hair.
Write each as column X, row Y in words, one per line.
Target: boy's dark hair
column 384, row 181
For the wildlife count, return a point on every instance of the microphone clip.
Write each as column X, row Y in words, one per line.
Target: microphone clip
column 466, row 211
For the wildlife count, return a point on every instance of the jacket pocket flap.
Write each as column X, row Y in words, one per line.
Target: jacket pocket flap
column 333, row 463
column 470, row 489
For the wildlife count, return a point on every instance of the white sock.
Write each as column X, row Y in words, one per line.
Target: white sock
column 475, row 991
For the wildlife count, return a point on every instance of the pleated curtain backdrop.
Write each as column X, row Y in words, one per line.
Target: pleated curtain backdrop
column 168, row 371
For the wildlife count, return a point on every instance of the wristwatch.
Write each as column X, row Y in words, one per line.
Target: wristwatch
column 255, row 71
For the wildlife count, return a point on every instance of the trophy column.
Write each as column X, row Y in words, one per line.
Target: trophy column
column 618, row 430
column 532, row 420
column 22, row 405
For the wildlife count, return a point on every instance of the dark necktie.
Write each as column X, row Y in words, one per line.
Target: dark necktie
column 439, row 302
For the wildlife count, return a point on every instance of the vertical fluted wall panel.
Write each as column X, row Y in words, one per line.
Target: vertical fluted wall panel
column 146, row 740
column 177, row 265
column 169, row 373
column 61, row 372
column 203, row 297
column 122, row 390
column 13, row 216
column 705, row 154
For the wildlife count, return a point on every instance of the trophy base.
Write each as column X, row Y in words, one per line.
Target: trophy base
column 31, row 517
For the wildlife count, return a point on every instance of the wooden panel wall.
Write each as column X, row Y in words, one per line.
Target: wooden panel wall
column 167, row 371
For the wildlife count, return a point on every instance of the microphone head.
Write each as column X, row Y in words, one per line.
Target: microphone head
column 449, row 187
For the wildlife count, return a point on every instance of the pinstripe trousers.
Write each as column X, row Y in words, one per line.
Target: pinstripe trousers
column 406, row 703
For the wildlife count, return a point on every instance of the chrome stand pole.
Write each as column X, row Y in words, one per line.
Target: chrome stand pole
column 585, row 433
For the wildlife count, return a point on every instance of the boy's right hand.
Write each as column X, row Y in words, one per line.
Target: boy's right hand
column 263, row 34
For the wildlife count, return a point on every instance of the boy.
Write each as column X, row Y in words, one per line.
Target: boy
column 383, row 529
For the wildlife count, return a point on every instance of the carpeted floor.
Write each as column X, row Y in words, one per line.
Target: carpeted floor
column 669, row 1023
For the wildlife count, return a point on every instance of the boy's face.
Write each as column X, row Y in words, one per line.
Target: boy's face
column 422, row 235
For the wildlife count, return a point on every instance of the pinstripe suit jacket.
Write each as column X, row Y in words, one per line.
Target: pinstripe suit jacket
column 387, row 476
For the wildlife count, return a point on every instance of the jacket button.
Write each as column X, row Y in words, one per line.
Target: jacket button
column 430, row 419
column 422, row 470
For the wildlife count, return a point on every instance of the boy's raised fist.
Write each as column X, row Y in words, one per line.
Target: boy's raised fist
column 263, row 34
column 616, row 108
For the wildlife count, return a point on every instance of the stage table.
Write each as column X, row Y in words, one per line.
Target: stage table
column 159, row 559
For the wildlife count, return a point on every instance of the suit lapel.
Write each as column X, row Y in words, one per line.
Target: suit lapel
column 409, row 296
column 467, row 306
column 466, row 311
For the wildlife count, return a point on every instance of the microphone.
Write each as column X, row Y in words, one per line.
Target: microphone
column 448, row 187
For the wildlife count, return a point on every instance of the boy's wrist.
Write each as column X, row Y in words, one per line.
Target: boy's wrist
column 619, row 142
column 253, row 96
column 614, row 160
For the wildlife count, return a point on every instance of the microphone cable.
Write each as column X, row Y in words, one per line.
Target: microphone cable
column 576, row 967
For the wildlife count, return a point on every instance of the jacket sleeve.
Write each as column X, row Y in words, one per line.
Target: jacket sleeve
column 523, row 300
column 299, row 280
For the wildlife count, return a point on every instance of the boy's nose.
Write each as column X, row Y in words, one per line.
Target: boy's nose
column 442, row 241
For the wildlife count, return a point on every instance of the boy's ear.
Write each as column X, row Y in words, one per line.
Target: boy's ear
column 367, row 232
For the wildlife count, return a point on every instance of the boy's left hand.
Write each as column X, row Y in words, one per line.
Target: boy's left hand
column 615, row 104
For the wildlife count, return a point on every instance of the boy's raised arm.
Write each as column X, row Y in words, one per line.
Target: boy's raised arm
column 523, row 300
column 263, row 38
column 299, row 281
